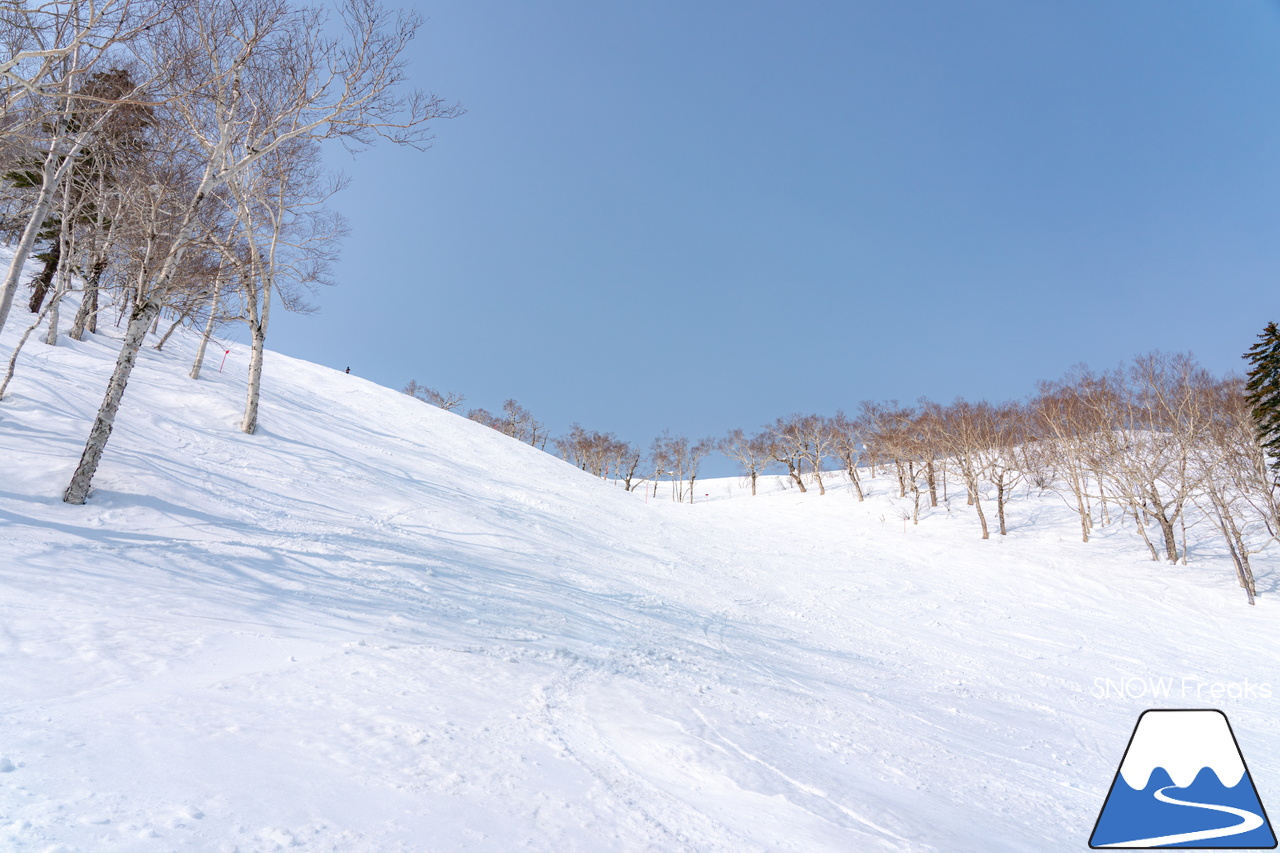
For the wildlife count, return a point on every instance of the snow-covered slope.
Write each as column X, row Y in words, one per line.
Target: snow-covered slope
column 376, row 626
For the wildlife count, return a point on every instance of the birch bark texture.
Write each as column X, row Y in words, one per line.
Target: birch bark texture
column 78, row 489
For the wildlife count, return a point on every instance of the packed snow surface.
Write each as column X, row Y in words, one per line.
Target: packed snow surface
column 377, row 626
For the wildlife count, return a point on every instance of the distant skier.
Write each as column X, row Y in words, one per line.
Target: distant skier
column 348, row 370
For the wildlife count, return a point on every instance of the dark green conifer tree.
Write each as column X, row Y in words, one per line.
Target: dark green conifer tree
column 50, row 235
column 120, row 142
column 1262, row 391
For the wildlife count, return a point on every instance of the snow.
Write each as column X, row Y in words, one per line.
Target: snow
column 376, row 626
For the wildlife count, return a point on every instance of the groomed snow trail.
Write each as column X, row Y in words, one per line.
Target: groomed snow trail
column 376, row 626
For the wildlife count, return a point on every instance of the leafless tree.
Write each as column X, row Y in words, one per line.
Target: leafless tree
column 48, row 45
column 1064, row 421
column 967, row 428
column 701, row 449
column 680, row 459
column 66, row 107
column 17, row 350
column 928, row 430
column 261, row 74
column 119, row 149
column 1153, row 418
column 524, row 426
column 890, row 434
column 787, row 447
column 849, row 447
column 1006, row 463
column 627, row 461
column 291, row 238
column 600, row 453
column 193, row 301
column 818, row 443
column 751, row 452
column 1239, row 493
column 489, row 419
column 907, row 436
column 448, row 401
column 218, row 294
column 515, row 422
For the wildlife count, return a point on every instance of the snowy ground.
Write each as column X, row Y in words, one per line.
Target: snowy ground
column 376, row 626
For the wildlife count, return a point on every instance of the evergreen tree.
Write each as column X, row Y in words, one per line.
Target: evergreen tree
column 50, row 234
column 1262, row 391
column 119, row 142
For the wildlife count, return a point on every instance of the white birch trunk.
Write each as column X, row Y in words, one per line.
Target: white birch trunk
column 982, row 517
column 64, row 267
column 86, row 317
column 52, row 174
column 21, row 252
column 264, row 268
column 78, row 490
column 144, row 312
column 250, row 422
column 208, row 331
column 13, row 357
column 258, row 332
column 96, row 256
column 176, row 323
column 51, row 336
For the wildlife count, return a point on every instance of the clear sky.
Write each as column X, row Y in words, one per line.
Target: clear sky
column 700, row 216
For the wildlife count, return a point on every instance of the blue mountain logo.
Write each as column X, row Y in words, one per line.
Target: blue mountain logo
column 1183, row 783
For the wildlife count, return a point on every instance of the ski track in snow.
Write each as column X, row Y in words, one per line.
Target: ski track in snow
column 376, row 626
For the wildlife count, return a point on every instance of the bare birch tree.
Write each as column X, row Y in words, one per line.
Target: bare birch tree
column 627, row 461
column 602, row 454
column 1155, row 416
column 967, row 430
column 786, row 442
column 818, row 443
column 261, row 74
column 680, row 459
column 448, row 401
column 1065, row 427
column 1239, row 493
column 751, row 452
column 72, row 39
column 849, row 447
column 1006, row 463
column 49, row 44
column 291, row 239
column 890, row 428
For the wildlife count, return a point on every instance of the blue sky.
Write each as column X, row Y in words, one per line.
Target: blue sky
column 700, row 216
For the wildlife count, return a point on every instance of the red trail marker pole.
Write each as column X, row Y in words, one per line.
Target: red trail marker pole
column 225, row 353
